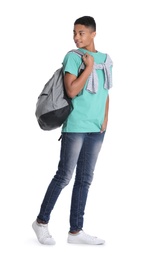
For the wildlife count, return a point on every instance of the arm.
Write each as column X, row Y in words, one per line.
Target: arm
column 104, row 125
column 73, row 84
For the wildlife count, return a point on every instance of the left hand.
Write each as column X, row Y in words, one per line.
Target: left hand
column 104, row 125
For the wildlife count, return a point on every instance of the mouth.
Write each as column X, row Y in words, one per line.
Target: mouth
column 78, row 43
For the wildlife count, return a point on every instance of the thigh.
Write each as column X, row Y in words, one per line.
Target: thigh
column 89, row 153
column 93, row 144
column 71, row 145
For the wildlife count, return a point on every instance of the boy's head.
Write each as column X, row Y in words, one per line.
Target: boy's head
column 84, row 32
column 87, row 21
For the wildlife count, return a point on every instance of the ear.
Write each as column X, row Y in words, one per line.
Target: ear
column 93, row 34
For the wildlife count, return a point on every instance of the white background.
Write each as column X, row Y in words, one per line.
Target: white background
column 34, row 37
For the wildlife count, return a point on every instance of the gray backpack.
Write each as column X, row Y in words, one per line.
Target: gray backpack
column 53, row 105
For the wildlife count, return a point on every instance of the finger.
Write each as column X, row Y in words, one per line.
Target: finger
column 103, row 130
column 84, row 56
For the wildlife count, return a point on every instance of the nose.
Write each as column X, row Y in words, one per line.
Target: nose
column 76, row 37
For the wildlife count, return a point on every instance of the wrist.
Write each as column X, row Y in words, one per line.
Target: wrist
column 88, row 69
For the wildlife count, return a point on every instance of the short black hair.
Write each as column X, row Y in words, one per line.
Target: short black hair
column 88, row 21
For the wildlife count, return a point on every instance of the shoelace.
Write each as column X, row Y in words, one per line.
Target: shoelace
column 89, row 237
column 46, row 233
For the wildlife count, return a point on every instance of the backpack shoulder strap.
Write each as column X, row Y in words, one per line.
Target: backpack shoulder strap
column 80, row 53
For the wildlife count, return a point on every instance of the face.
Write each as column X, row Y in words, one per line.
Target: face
column 83, row 36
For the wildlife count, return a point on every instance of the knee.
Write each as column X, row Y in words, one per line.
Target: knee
column 62, row 181
column 85, row 180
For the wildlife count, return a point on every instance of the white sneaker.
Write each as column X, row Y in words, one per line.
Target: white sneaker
column 82, row 238
column 42, row 233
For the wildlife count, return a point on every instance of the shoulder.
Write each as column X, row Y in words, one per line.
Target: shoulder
column 71, row 63
column 109, row 61
column 71, row 57
column 105, row 57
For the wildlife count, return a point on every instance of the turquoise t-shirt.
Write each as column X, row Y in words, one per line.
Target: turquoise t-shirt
column 88, row 108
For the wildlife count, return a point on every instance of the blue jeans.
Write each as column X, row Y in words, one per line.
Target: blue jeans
column 79, row 152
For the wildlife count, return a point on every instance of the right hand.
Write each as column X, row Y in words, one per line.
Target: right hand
column 88, row 60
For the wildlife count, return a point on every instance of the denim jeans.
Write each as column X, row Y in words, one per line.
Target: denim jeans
column 79, row 152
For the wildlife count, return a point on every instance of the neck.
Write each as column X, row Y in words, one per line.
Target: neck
column 90, row 48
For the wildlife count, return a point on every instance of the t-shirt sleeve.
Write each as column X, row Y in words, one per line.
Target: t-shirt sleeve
column 71, row 63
